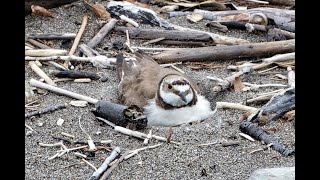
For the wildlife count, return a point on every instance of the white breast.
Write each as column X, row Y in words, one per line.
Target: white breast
column 160, row 117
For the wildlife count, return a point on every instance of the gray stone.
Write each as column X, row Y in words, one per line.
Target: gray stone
column 284, row 173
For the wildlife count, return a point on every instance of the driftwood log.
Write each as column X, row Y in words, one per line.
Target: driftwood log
column 254, row 131
column 51, row 36
column 44, row 3
column 102, row 33
column 283, row 18
column 282, row 2
column 138, row 33
column 116, row 113
column 214, row 53
column 147, row 16
column 275, row 108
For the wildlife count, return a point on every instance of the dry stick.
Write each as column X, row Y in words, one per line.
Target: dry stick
column 40, row 45
column 89, row 164
column 51, row 36
column 146, row 140
column 114, row 165
column 88, row 51
column 257, row 1
column 125, row 18
column 102, row 33
column 266, row 61
column 45, row 52
column 82, row 80
column 39, row 84
column 136, row 134
column 46, row 110
column 128, row 42
column 29, row 127
column 257, row 86
column 260, row 99
column 116, row 151
column 77, row 39
column 230, row 143
column 153, row 41
column 266, row 70
column 228, row 105
column 40, row 73
column 136, row 151
column 67, row 134
column 58, row 66
column 247, row 137
column 92, row 147
column 229, row 81
column 140, row 135
column 261, row 149
column 214, row 53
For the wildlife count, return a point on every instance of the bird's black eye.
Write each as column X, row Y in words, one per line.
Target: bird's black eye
column 170, row 86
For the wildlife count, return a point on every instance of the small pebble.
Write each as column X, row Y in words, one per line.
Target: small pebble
column 104, row 79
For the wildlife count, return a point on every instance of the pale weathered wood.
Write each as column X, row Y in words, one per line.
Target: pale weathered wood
column 40, row 73
column 214, row 53
column 39, row 84
column 138, row 33
column 51, row 36
column 284, row 18
column 102, row 33
column 45, row 52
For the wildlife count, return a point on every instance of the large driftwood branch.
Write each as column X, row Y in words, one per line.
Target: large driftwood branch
column 282, row 2
column 116, row 113
column 138, row 33
column 265, row 61
column 259, row 134
column 118, row 8
column 102, row 33
column 51, row 36
column 115, row 153
column 285, row 19
column 275, row 108
column 45, row 110
column 44, row 3
column 214, row 53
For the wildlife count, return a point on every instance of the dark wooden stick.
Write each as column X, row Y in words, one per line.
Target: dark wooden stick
column 230, row 143
column 45, row 110
column 254, row 131
column 75, row 74
column 138, row 33
column 102, row 33
column 214, row 53
column 276, row 107
column 51, row 36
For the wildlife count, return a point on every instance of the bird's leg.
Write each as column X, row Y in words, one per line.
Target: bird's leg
column 169, row 134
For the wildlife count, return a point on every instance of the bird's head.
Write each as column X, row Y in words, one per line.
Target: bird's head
column 176, row 91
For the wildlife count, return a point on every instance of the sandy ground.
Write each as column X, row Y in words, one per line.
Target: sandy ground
column 168, row 161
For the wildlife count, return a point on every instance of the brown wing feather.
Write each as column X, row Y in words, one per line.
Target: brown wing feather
column 138, row 87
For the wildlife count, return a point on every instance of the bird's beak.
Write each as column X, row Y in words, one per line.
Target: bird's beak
column 183, row 95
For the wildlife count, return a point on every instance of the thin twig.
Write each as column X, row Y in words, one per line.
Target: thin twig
column 247, row 137
column 91, row 165
column 90, row 141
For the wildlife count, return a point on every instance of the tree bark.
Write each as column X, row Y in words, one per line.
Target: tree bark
column 214, row 53
column 44, row 3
